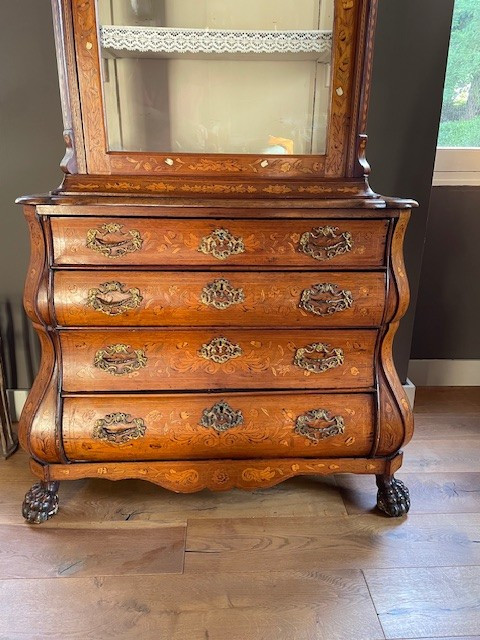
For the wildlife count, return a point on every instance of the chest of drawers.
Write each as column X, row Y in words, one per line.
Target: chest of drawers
column 204, row 351
column 215, row 285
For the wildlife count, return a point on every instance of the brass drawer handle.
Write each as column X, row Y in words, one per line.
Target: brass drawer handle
column 221, row 294
column 221, row 244
column 318, row 299
column 220, row 350
column 113, row 299
column 319, row 424
column 221, row 417
column 132, row 429
column 120, row 359
column 315, row 243
column 112, row 241
column 307, row 357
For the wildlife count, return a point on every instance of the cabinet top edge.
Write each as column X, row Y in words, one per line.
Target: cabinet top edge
column 79, row 200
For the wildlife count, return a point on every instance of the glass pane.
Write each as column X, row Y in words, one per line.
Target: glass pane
column 460, row 122
column 216, row 76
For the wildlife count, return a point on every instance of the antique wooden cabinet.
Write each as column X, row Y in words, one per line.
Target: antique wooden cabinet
column 215, row 285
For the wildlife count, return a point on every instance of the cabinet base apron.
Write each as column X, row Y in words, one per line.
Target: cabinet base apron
column 41, row 502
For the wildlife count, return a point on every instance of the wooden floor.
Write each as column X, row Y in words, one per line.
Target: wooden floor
column 306, row 560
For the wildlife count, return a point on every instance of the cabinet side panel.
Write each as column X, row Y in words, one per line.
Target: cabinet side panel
column 396, row 417
column 37, row 427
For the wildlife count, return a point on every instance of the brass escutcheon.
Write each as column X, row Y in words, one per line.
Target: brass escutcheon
column 315, row 243
column 221, row 244
column 112, row 241
column 307, row 425
column 221, row 294
column 125, row 428
column 220, row 350
column 221, row 417
column 307, row 357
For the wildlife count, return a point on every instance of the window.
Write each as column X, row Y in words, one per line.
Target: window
column 458, row 152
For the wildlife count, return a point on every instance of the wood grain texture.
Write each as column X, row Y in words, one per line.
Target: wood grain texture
column 176, row 242
column 426, row 602
column 113, row 549
column 182, row 360
column 174, row 430
column 170, row 299
column 325, row 605
column 429, row 492
column 347, row 543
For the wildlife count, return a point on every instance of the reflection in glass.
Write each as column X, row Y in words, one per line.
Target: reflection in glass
column 216, row 76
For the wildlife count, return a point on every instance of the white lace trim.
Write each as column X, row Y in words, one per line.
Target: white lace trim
column 171, row 40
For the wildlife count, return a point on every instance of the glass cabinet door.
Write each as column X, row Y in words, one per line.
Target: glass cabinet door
column 216, row 76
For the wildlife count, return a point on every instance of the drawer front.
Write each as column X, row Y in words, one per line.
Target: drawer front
column 146, row 298
column 304, row 243
column 214, row 359
column 207, row 426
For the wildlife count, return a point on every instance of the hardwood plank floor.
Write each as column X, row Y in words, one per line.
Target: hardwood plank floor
column 426, row 602
column 106, row 549
column 351, row 542
column 266, row 606
column 307, row 560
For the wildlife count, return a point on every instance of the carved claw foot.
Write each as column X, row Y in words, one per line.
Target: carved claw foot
column 393, row 497
column 41, row 502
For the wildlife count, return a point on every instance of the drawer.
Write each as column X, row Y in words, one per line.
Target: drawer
column 161, row 360
column 199, row 299
column 167, row 242
column 183, row 427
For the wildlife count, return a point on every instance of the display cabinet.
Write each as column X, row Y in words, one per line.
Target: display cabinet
column 215, row 285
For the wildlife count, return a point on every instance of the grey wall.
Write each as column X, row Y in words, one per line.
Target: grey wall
column 408, row 75
column 448, row 308
column 31, row 147
column 409, row 68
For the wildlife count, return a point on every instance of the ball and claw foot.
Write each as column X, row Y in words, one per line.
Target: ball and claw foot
column 41, row 502
column 393, row 497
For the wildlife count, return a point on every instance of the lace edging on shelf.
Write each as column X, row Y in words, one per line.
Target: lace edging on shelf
column 173, row 40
